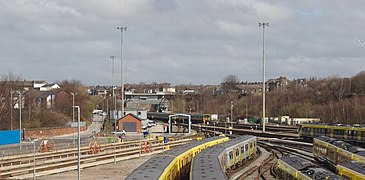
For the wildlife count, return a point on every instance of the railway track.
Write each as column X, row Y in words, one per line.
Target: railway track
column 22, row 167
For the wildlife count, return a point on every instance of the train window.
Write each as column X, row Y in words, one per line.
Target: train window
column 246, row 147
column 323, row 131
column 305, row 129
column 231, row 155
column 316, row 130
column 242, row 149
column 339, row 132
column 237, row 152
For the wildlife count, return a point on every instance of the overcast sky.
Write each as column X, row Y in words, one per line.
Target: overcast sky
column 181, row 42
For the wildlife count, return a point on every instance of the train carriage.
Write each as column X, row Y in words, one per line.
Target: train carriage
column 292, row 167
column 214, row 162
column 351, row 170
column 333, row 151
column 174, row 163
column 341, row 132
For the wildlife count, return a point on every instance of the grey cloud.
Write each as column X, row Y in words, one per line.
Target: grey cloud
column 180, row 41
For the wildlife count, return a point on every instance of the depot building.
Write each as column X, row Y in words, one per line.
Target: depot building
column 130, row 123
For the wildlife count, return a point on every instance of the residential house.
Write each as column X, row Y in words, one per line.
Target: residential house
column 46, row 99
column 49, row 87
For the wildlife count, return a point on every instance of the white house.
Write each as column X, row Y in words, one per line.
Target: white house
column 49, row 87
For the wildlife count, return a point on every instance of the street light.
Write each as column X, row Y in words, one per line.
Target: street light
column 122, row 29
column 11, row 109
column 33, row 142
column 263, row 73
column 20, row 120
column 73, row 117
column 113, row 94
column 78, row 141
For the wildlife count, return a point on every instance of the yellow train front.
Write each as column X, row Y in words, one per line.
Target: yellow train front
column 351, row 170
column 341, row 132
column 174, row 163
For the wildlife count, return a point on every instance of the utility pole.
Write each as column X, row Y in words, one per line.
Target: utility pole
column 122, row 29
column 263, row 73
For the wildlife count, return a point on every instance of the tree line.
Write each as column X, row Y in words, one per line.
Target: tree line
column 332, row 99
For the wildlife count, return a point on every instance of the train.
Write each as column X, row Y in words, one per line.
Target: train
column 174, row 163
column 195, row 118
column 333, row 152
column 214, row 162
column 291, row 167
column 347, row 159
column 351, row 170
column 338, row 131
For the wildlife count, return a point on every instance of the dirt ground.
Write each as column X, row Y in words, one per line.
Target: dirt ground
column 111, row 171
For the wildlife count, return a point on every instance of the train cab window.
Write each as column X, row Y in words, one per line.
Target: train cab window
column 231, row 155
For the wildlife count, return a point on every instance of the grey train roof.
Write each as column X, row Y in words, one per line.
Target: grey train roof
column 309, row 169
column 155, row 166
column 344, row 145
column 206, row 164
column 296, row 162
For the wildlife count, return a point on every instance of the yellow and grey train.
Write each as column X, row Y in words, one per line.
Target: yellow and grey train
column 174, row 163
column 340, row 132
column 214, row 162
column 290, row 167
column 348, row 160
column 351, row 170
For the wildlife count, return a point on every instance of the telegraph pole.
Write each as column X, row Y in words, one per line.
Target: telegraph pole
column 263, row 73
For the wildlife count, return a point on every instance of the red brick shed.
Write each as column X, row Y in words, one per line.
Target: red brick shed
column 130, row 123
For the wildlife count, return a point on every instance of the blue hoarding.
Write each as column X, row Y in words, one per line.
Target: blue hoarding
column 9, row 137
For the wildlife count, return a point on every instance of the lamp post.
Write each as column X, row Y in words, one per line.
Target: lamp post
column 11, row 109
column 20, row 120
column 113, row 93
column 115, row 102
column 263, row 73
column 231, row 112
column 122, row 29
column 34, row 163
column 78, row 141
column 73, row 117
